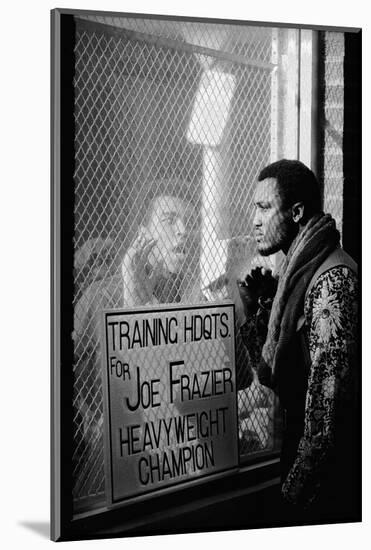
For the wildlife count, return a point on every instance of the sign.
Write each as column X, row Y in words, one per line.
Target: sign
column 170, row 397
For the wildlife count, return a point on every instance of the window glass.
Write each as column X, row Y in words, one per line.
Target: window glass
column 173, row 122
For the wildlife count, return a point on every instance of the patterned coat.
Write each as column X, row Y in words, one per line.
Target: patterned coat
column 318, row 393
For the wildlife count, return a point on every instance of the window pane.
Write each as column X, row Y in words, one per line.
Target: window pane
column 173, row 122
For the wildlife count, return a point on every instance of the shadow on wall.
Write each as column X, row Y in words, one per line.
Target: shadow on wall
column 42, row 528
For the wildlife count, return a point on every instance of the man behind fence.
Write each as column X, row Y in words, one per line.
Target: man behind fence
column 307, row 350
column 155, row 269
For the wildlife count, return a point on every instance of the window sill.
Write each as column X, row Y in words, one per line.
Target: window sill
column 180, row 511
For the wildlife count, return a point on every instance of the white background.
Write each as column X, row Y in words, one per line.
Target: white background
column 25, row 174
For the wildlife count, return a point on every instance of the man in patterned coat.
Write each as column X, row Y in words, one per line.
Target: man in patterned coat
column 301, row 335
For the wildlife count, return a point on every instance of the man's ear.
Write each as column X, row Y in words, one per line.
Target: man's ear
column 297, row 211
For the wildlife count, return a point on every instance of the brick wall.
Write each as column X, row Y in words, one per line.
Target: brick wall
column 331, row 91
column 352, row 145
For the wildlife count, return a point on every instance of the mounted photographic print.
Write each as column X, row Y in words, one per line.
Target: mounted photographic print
column 206, row 189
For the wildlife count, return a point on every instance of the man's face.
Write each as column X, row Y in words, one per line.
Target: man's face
column 168, row 227
column 274, row 228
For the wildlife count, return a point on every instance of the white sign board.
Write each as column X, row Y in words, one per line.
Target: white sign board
column 170, row 397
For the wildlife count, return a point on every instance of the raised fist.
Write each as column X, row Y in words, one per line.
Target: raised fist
column 257, row 290
column 139, row 274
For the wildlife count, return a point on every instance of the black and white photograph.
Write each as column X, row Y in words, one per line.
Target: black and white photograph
column 207, row 188
column 184, row 236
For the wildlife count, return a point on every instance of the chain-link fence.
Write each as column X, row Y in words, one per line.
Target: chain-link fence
column 173, row 122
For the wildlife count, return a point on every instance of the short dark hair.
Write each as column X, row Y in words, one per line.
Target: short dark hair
column 296, row 183
column 173, row 186
column 156, row 189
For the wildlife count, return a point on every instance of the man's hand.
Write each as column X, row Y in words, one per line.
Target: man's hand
column 139, row 275
column 257, row 290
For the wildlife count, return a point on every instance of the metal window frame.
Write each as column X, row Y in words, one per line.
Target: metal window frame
column 308, row 98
